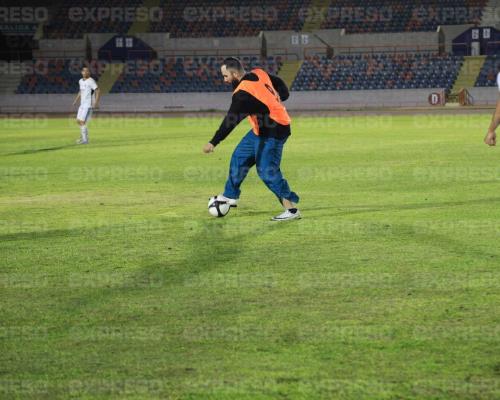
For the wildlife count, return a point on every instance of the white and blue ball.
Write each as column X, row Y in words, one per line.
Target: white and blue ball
column 218, row 208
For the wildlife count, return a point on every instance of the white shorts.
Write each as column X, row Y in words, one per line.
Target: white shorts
column 84, row 114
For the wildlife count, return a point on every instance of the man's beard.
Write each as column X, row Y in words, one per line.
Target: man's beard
column 235, row 84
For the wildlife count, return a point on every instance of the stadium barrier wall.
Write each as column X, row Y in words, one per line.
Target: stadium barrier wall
column 290, row 44
column 451, row 32
column 379, row 42
column 191, row 102
column 167, row 47
column 60, row 48
column 97, row 40
column 345, row 99
column 279, row 42
column 484, row 95
column 212, row 44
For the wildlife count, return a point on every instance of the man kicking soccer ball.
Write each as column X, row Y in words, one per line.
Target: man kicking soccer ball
column 255, row 96
column 87, row 88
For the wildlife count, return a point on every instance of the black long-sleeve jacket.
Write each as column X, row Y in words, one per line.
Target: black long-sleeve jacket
column 244, row 104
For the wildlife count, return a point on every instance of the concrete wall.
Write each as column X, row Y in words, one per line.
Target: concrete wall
column 484, row 96
column 155, row 40
column 319, row 40
column 326, row 100
column 166, row 46
column 222, row 46
column 451, row 32
column 307, row 101
column 279, row 43
column 276, row 43
column 60, row 48
column 97, row 40
column 341, row 42
column 379, row 42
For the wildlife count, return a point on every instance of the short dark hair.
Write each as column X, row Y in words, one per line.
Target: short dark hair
column 85, row 67
column 233, row 63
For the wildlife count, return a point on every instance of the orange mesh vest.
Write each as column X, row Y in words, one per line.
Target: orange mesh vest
column 264, row 91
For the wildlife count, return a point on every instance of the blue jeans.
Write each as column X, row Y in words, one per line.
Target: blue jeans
column 265, row 153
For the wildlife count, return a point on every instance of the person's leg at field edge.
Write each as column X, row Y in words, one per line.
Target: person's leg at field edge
column 82, row 118
column 83, row 137
column 491, row 136
column 268, row 159
column 242, row 160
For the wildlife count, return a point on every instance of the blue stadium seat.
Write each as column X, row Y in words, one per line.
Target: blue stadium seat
column 379, row 71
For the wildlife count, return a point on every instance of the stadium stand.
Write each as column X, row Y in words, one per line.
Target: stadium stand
column 54, row 76
column 181, row 74
column 66, row 23
column 370, row 16
column 200, row 18
column 205, row 18
column 185, row 74
column 201, row 74
column 378, row 71
column 488, row 75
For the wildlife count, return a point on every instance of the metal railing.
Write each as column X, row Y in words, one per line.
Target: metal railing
column 465, row 98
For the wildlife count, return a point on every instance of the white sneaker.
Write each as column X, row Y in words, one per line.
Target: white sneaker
column 231, row 202
column 287, row 215
column 80, row 141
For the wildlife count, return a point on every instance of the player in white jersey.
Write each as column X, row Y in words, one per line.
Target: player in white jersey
column 88, row 86
column 491, row 136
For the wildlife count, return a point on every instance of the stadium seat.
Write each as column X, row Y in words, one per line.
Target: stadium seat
column 488, row 75
column 182, row 19
column 379, row 71
column 183, row 74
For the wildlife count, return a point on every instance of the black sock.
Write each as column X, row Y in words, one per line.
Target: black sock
column 292, row 210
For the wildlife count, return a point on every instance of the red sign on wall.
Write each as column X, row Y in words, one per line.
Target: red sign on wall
column 436, row 99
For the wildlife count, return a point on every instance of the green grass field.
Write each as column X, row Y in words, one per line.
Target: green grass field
column 115, row 283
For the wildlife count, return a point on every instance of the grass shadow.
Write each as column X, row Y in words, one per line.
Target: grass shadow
column 43, row 150
column 361, row 209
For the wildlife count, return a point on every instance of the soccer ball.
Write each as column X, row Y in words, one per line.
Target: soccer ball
column 218, row 208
